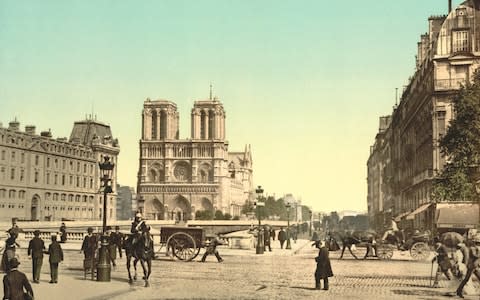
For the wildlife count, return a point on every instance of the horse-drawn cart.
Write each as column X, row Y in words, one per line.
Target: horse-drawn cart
column 417, row 245
column 181, row 242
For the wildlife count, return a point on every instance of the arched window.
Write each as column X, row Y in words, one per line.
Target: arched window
column 154, row 124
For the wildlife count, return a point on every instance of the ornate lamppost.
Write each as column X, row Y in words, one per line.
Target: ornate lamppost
column 289, row 246
column 260, row 246
column 103, row 266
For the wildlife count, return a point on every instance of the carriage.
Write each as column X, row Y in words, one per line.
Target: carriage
column 417, row 244
column 183, row 243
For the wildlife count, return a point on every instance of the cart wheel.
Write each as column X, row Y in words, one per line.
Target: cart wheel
column 384, row 251
column 183, row 246
column 420, row 251
column 196, row 253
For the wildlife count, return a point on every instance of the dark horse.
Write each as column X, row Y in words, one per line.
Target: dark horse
column 349, row 239
column 141, row 251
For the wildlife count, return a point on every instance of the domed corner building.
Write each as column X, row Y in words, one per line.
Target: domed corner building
column 176, row 177
column 406, row 156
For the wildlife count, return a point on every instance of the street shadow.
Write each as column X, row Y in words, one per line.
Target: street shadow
column 304, row 288
column 423, row 293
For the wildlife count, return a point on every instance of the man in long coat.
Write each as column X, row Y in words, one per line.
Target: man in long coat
column 282, row 236
column 36, row 247
column 324, row 268
column 444, row 264
column 56, row 256
column 14, row 282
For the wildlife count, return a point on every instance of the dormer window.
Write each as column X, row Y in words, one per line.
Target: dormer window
column 461, row 11
column 460, row 41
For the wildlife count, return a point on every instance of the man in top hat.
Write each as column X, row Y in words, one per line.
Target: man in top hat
column 14, row 282
column 473, row 265
column 36, row 247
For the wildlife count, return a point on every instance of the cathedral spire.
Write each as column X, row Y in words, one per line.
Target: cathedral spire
column 210, row 92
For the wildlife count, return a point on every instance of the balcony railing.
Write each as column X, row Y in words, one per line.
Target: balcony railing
column 449, row 84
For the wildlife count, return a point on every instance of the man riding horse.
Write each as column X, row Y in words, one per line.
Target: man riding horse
column 139, row 226
column 394, row 233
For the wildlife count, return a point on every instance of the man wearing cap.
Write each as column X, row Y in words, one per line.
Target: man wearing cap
column 56, row 256
column 36, row 247
column 211, row 248
column 473, row 265
column 14, row 282
column 116, row 239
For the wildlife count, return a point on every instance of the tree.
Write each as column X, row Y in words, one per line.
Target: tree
column 461, row 147
column 247, row 207
column 227, row 216
column 204, row 215
column 219, row 215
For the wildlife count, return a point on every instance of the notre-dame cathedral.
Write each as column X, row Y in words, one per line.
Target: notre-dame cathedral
column 177, row 177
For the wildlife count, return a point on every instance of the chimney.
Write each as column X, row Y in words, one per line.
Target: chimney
column 30, row 129
column 449, row 6
column 14, row 125
column 47, row 134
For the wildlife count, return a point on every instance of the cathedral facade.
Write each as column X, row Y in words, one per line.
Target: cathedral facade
column 177, row 177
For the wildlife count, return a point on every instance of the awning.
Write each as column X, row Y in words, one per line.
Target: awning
column 457, row 215
column 418, row 210
column 400, row 216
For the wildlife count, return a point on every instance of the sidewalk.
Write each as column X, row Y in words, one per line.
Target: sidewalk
column 276, row 250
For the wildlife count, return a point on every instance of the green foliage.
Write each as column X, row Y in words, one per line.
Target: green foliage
column 204, row 215
column 461, row 145
column 236, row 218
column 219, row 215
column 227, row 216
column 247, row 207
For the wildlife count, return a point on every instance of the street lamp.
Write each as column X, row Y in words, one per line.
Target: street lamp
column 260, row 246
column 288, row 226
column 103, row 266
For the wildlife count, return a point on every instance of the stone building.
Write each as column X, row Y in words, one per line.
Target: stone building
column 178, row 177
column 42, row 178
column 126, row 205
column 447, row 57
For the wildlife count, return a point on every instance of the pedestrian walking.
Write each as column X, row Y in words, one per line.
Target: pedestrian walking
column 112, row 246
column 282, row 237
column 266, row 240
column 36, row 247
column 211, row 248
column 272, row 233
column 56, row 256
column 63, row 233
column 14, row 283
column 117, row 238
column 443, row 261
column 324, row 268
column 473, row 264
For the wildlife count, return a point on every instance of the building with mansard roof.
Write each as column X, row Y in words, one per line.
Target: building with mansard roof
column 42, row 178
column 406, row 158
column 178, row 177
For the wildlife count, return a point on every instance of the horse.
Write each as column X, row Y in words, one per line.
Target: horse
column 141, row 251
column 349, row 239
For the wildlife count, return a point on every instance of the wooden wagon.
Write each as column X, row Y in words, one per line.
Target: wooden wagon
column 183, row 243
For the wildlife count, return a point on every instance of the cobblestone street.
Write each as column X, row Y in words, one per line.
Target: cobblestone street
column 244, row 275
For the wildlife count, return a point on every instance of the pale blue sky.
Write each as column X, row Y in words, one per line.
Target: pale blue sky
column 303, row 82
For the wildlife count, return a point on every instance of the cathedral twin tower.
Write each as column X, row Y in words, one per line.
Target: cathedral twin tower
column 161, row 120
column 177, row 178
